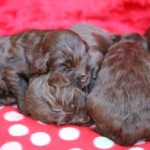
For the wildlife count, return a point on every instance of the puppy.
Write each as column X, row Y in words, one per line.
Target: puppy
column 21, row 57
column 147, row 36
column 51, row 98
column 119, row 103
column 65, row 52
column 98, row 40
column 16, row 53
column 133, row 37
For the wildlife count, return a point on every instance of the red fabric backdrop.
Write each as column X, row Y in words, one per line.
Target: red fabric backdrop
column 18, row 132
column 115, row 15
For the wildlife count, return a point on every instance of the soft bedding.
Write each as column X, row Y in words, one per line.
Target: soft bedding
column 18, row 132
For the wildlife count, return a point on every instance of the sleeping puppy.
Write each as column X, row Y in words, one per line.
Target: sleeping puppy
column 51, row 98
column 16, row 53
column 65, row 52
column 21, row 56
column 133, row 37
column 147, row 36
column 98, row 40
column 119, row 103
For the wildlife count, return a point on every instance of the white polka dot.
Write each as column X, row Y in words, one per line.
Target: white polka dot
column 13, row 116
column 40, row 138
column 136, row 148
column 69, row 133
column 140, row 143
column 18, row 130
column 11, row 145
column 103, row 143
column 75, row 149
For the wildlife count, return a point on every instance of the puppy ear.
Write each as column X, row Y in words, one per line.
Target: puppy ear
column 42, row 57
column 58, row 79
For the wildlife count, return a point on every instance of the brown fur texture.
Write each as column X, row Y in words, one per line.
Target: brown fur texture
column 133, row 37
column 98, row 40
column 35, row 52
column 16, row 53
column 147, row 36
column 119, row 103
column 65, row 52
column 51, row 98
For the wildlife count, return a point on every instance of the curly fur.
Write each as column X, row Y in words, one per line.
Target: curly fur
column 98, row 40
column 65, row 52
column 35, row 52
column 51, row 98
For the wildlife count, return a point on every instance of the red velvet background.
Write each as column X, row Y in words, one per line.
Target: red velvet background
column 114, row 15
column 18, row 15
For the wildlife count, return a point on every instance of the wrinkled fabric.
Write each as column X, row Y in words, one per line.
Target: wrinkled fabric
column 114, row 15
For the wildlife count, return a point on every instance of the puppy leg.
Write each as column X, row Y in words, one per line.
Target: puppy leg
column 17, row 85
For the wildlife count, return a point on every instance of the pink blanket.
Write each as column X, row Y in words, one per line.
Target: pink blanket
column 18, row 132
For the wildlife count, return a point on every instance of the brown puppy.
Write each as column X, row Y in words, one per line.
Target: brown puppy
column 98, row 40
column 133, row 37
column 65, row 52
column 16, row 53
column 21, row 57
column 119, row 103
column 51, row 98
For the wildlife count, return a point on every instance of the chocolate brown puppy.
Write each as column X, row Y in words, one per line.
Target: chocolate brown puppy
column 65, row 52
column 16, row 53
column 51, row 98
column 21, row 56
column 98, row 40
column 119, row 103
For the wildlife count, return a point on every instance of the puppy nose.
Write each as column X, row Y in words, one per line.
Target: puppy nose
column 83, row 78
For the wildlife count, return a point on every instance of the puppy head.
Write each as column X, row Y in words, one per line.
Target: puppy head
column 71, row 100
column 65, row 51
column 98, row 40
column 55, row 100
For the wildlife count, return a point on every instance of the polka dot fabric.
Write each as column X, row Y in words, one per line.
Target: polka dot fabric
column 19, row 132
